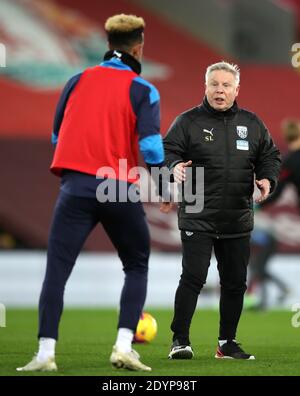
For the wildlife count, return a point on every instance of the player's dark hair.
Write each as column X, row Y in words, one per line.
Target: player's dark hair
column 125, row 40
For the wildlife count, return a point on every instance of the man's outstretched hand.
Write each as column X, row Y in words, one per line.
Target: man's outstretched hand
column 165, row 207
column 179, row 171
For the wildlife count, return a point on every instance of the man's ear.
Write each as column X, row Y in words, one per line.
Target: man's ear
column 237, row 90
column 137, row 50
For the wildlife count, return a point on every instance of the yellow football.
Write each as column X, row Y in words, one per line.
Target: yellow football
column 146, row 329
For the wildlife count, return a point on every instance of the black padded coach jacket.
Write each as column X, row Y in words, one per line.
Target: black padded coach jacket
column 232, row 147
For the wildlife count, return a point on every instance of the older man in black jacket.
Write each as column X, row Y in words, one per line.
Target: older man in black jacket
column 235, row 149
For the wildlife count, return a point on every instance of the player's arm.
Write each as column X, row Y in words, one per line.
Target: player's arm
column 61, row 105
column 145, row 101
column 175, row 146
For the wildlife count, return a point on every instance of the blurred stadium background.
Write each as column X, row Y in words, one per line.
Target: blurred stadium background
column 48, row 41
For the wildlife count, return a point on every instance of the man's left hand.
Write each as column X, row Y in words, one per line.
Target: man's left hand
column 264, row 187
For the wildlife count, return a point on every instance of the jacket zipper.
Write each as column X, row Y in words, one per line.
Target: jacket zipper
column 226, row 160
column 225, row 189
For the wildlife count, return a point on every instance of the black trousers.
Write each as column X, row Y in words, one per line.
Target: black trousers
column 232, row 257
column 73, row 220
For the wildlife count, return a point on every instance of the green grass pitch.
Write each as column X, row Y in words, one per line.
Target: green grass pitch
column 87, row 336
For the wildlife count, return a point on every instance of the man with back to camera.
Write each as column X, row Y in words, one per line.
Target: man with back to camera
column 104, row 114
column 234, row 147
column 290, row 170
column 263, row 237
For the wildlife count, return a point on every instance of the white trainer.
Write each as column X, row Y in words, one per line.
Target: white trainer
column 129, row 360
column 35, row 365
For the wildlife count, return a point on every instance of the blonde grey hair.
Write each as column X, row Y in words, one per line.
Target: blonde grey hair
column 124, row 31
column 229, row 67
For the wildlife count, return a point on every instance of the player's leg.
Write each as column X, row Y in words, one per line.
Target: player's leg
column 267, row 252
column 268, row 245
column 73, row 220
column 126, row 225
column 232, row 256
column 197, row 250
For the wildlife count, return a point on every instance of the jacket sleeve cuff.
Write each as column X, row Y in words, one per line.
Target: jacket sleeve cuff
column 273, row 184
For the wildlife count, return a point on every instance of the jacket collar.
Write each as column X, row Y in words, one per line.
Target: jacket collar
column 220, row 114
column 125, row 58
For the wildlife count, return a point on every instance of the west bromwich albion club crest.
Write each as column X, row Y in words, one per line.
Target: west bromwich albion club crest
column 242, row 131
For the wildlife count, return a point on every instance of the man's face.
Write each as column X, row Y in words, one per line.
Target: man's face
column 221, row 89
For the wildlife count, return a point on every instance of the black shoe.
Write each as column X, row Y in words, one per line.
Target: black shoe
column 180, row 351
column 232, row 350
